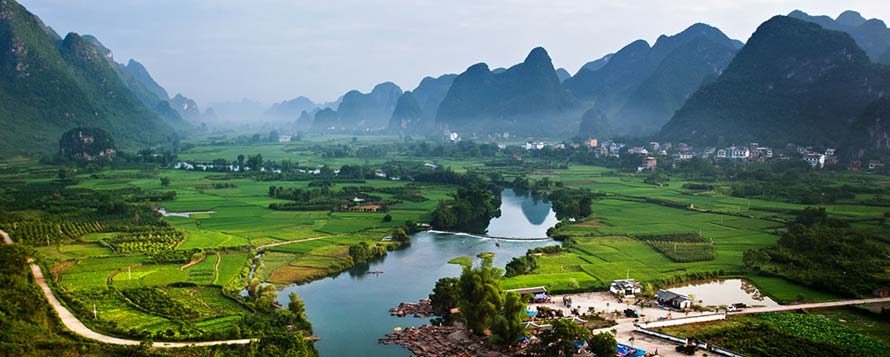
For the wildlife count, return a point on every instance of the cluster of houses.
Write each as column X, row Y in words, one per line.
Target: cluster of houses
column 753, row 152
column 628, row 288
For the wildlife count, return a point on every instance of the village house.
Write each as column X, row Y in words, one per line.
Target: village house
column 649, row 164
column 737, row 153
column 615, row 148
column 830, row 157
column 284, row 138
column 534, row 146
column 708, row 152
column 673, row 300
column 602, row 150
column 874, row 164
column 815, row 159
column 367, row 208
column 638, row 150
column 591, row 143
column 734, row 153
column 682, row 155
column 626, row 288
column 184, row 165
column 654, row 146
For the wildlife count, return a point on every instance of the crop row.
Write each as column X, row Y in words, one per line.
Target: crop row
column 46, row 233
column 684, row 252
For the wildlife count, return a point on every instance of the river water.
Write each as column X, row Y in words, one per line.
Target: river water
column 350, row 312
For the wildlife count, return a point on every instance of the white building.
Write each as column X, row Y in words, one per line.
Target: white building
column 739, row 153
column 284, row 138
column 682, row 155
column 638, row 150
column 627, row 287
column 534, row 145
column 815, row 159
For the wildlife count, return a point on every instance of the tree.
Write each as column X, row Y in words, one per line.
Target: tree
column 165, row 181
column 445, row 296
column 360, row 252
column 560, row 339
column 399, row 235
column 602, row 344
column 240, row 161
column 297, row 306
column 255, row 162
column 507, row 327
column 265, row 298
column 387, row 218
column 480, row 296
column 573, row 284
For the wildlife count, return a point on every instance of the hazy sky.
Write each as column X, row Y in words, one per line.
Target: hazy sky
column 270, row 50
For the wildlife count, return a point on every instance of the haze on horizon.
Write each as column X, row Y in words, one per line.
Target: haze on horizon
column 268, row 51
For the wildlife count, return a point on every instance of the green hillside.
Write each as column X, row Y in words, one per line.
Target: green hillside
column 46, row 89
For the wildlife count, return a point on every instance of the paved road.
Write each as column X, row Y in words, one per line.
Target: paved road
column 810, row 306
column 72, row 323
column 625, row 330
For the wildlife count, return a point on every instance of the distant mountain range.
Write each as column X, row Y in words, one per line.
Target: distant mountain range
column 290, row 110
column 526, row 98
column 803, row 79
column 359, row 111
column 794, row 82
column 639, row 87
column 872, row 36
column 427, row 96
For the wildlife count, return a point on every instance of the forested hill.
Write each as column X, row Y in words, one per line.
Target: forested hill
column 361, row 111
column 872, row 35
column 428, row 96
column 49, row 86
column 793, row 82
column 526, row 98
column 639, row 87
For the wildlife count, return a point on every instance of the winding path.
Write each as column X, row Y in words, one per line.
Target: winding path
column 270, row 245
column 72, row 323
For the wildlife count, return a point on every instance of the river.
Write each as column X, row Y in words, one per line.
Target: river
column 349, row 312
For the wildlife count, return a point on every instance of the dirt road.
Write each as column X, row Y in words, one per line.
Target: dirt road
column 270, row 245
column 72, row 323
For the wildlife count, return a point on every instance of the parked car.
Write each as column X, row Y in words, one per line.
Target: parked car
column 631, row 313
column 735, row 307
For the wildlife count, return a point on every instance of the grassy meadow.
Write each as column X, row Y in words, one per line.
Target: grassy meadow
column 229, row 224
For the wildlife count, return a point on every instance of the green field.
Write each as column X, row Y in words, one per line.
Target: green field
column 825, row 333
column 231, row 222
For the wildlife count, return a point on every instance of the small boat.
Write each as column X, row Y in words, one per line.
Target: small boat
column 497, row 242
column 375, row 272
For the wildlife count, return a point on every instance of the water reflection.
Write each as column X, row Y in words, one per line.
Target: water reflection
column 349, row 312
column 522, row 216
column 719, row 292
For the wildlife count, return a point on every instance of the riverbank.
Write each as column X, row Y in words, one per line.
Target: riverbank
column 408, row 275
column 439, row 341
